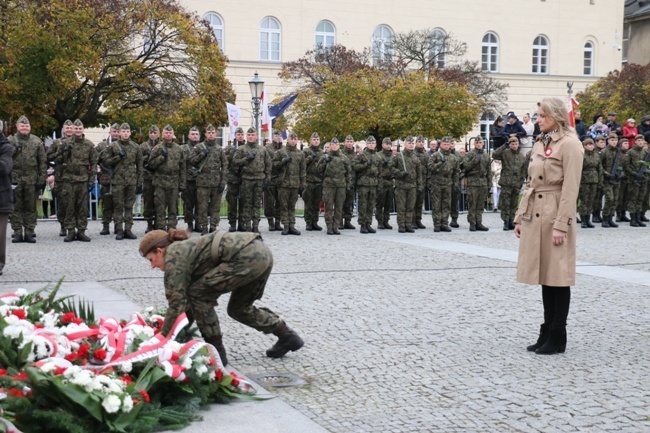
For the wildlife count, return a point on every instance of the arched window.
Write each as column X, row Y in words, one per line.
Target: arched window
column 487, row 119
column 216, row 23
column 270, row 39
column 382, row 44
column 490, row 53
column 588, row 59
column 540, row 55
column 325, row 35
column 438, row 49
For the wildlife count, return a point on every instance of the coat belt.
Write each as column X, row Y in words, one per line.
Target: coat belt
column 530, row 192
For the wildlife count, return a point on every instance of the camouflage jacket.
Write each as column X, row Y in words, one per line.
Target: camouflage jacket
column 259, row 168
column 234, row 171
column 30, row 163
column 406, row 161
column 78, row 158
column 187, row 262
column 337, row 171
column 348, row 153
column 607, row 157
column 191, row 174
column 423, row 156
column 272, row 148
column 633, row 163
column 169, row 170
column 210, row 163
column 385, row 175
column 104, row 174
column 444, row 169
column 478, row 171
column 51, row 153
column 292, row 174
column 592, row 169
column 146, row 147
column 367, row 165
column 312, row 155
column 127, row 170
column 514, row 168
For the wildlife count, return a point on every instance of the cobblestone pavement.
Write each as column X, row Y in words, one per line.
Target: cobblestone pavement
column 418, row 332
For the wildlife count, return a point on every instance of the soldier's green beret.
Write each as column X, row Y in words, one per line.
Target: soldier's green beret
column 612, row 135
column 349, row 137
column 588, row 141
column 334, row 140
column 371, row 139
column 251, row 130
column 408, row 139
column 387, row 140
column 210, row 128
column 239, row 130
column 276, row 132
column 125, row 126
column 115, row 126
column 168, row 127
column 622, row 140
column 151, row 240
column 154, row 128
column 420, row 138
column 67, row 122
column 78, row 122
column 23, row 119
column 315, row 135
column 293, row 135
column 194, row 128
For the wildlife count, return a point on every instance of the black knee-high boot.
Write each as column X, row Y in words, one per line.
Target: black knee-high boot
column 556, row 342
column 548, row 300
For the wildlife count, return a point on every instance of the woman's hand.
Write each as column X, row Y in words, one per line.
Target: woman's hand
column 558, row 237
column 518, row 230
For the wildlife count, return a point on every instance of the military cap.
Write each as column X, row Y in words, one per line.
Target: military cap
column 387, row 140
column 636, row 137
column 420, row 138
column 371, row 139
column 210, row 128
column 168, row 127
column 293, row 135
column 622, row 140
column 151, row 240
column 115, row 126
column 612, row 135
column 23, row 120
column 513, row 140
column 239, row 130
column 315, row 135
column 125, row 126
column 154, row 128
column 68, row 122
column 276, row 132
column 349, row 137
column 447, row 139
column 588, row 141
column 408, row 139
column 478, row 138
column 334, row 140
column 78, row 122
column 251, row 130
column 194, row 128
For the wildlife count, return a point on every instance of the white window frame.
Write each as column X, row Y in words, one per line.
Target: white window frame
column 324, row 35
column 267, row 35
column 589, row 52
column 382, row 49
column 490, row 52
column 216, row 28
column 540, row 55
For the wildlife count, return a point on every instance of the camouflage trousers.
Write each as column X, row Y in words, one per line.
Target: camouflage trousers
column 209, row 203
column 271, row 202
column 440, row 204
column 636, row 193
column 232, row 199
column 107, row 203
column 367, row 200
column 75, row 197
column 251, row 201
column 417, row 208
column 477, row 195
column 621, row 204
column 166, row 200
column 348, row 204
column 455, row 197
column 611, row 198
column 123, row 199
column 405, row 202
column 598, row 199
column 245, row 277
column 24, row 215
column 312, row 197
column 148, row 203
column 587, row 198
column 509, row 202
column 60, row 202
column 287, row 198
column 189, row 202
column 384, row 202
column 334, row 197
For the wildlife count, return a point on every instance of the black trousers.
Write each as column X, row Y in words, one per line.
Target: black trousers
column 556, row 306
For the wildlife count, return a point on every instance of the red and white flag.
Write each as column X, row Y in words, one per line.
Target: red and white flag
column 233, row 118
column 574, row 106
column 266, row 118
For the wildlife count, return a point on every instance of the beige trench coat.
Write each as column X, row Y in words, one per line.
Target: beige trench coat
column 549, row 202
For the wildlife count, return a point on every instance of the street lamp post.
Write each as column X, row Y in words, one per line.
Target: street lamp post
column 257, row 86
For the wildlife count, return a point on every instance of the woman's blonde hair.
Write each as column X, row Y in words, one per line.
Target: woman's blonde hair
column 555, row 108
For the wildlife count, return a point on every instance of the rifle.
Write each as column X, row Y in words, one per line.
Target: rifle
column 614, row 175
column 639, row 176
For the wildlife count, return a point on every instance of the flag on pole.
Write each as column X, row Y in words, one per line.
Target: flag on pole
column 574, row 106
column 277, row 109
column 233, row 118
column 266, row 117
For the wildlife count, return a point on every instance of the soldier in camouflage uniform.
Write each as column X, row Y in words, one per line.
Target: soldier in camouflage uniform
column 456, row 187
column 600, row 145
column 167, row 161
column 366, row 165
column 147, row 178
column 348, row 204
column 635, row 171
column 271, row 201
column 408, row 181
column 105, row 179
column 621, row 206
column 78, row 158
column 337, row 179
column 610, row 160
column 289, row 162
column 189, row 195
column 313, row 193
column 255, row 165
column 513, row 174
column 233, row 183
column 385, row 181
column 57, row 146
column 28, row 176
column 478, row 171
column 124, row 157
column 421, row 153
column 443, row 170
column 592, row 177
column 199, row 270
column 211, row 164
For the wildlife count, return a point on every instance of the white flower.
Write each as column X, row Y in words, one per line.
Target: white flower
column 127, row 404
column 186, row 362
column 202, row 369
column 83, row 378
column 72, row 371
column 126, row 367
column 49, row 320
column 111, row 404
column 21, row 292
column 47, row 367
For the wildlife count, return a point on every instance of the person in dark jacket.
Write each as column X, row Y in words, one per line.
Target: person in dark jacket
column 581, row 128
column 644, row 127
column 513, row 127
column 496, row 138
column 6, row 193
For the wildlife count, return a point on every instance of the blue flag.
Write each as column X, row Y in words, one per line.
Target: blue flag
column 278, row 109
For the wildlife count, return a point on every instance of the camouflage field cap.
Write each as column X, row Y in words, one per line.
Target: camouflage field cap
column 168, row 127
column 68, row 122
column 154, row 128
column 251, row 130
column 115, row 126
column 334, row 140
column 210, row 128
column 78, row 122
column 194, row 129
column 387, row 140
column 447, row 139
column 23, row 119
column 125, row 126
column 239, row 130
column 315, row 135
column 420, row 138
column 622, row 140
column 349, row 137
column 513, row 140
column 478, row 138
column 277, row 132
column 612, row 135
column 371, row 139
column 293, row 135
column 408, row 139
column 152, row 240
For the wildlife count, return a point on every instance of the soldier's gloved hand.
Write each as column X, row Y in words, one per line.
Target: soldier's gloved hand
column 328, row 158
column 405, row 174
column 313, row 155
column 265, row 185
column 301, row 189
column 165, row 152
column 220, row 189
column 250, row 157
column 122, row 153
column 138, row 188
column 18, row 146
column 369, row 162
column 286, row 160
column 386, row 161
column 206, row 151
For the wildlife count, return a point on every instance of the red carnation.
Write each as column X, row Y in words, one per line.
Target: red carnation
column 219, row 375
column 83, row 350
column 3, row 372
column 39, row 326
column 67, row 318
column 59, row 370
column 127, row 379
column 100, row 353
column 78, row 320
column 235, row 381
column 145, row 395
column 20, row 376
column 21, row 314
column 16, row 392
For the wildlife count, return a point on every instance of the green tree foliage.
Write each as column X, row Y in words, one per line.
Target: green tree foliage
column 142, row 61
column 627, row 92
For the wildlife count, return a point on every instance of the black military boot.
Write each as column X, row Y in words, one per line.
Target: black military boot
column 288, row 340
column 506, row 226
column 380, row 225
column 128, row 234
column 81, row 236
column 217, row 342
column 454, row 223
column 278, row 225
column 472, row 227
column 618, row 216
column 511, row 225
column 271, row 225
column 363, row 229
column 340, row 226
column 316, row 227
column 589, row 224
column 292, row 230
column 63, row 231
column 255, row 228
column 233, row 227
column 543, row 335
column 105, row 229
column 336, row 230
column 436, row 229
column 370, row 229
column 414, row 225
column 149, row 227
column 595, row 216
column 409, row 229
column 204, row 230
column 419, row 224
column 583, row 221
column 643, row 217
column 71, row 236
column 610, row 220
column 285, row 231
column 241, row 227
column 119, row 235
column 633, row 221
column 17, row 237
column 387, row 226
column 480, row 227
column 30, row 237
column 348, row 225
column 309, row 227
column 605, row 222
column 624, row 217
column 445, row 229
column 555, row 343
column 330, row 231
column 402, row 229
column 639, row 220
